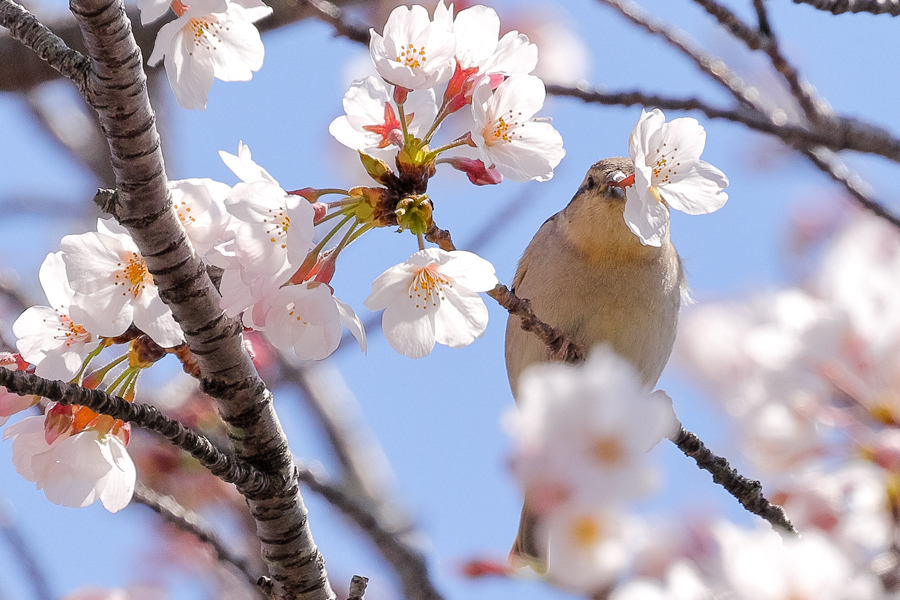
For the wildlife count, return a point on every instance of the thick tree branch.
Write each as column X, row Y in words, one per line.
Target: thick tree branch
column 837, row 7
column 747, row 491
column 25, row 28
column 117, row 89
column 246, row 478
column 188, row 521
column 406, row 559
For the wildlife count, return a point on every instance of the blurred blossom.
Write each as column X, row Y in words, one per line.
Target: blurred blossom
column 584, row 432
column 132, row 592
column 682, row 582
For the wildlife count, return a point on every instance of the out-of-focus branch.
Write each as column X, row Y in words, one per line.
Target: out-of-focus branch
column 709, row 64
column 768, row 43
column 747, row 491
column 31, row 567
column 332, row 14
column 245, row 477
column 186, row 520
column 407, row 560
column 837, row 7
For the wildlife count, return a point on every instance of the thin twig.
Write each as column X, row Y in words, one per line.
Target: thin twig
column 837, row 7
column 762, row 18
column 31, row 567
column 187, row 520
column 768, row 43
column 406, row 559
column 709, row 64
column 26, row 28
column 358, row 587
column 246, row 478
column 747, row 491
column 332, row 14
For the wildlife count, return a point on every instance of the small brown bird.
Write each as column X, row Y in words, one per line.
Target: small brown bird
column 588, row 275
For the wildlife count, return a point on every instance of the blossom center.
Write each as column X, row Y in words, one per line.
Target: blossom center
column 279, row 223
column 412, row 57
column 184, row 213
column 664, row 166
column 502, row 129
column 586, row 531
column 428, row 286
column 71, row 333
column 133, row 274
column 205, row 31
column 608, row 450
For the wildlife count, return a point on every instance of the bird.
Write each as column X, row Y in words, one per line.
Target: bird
column 589, row 276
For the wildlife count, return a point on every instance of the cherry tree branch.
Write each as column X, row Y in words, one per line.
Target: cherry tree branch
column 358, row 587
column 407, row 560
column 246, row 478
column 116, row 87
column 51, row 49
column 747, row 491
column 186, row 520
column 837, row 7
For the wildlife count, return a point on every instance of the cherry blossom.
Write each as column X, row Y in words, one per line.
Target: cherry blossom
column 413, row 53
column 200, row 205
column 244, row 167
column 12, row 403
column 507, row 137
column 372, row 125
column 46, row 335
column 275, row 229
column 668, row 172
column 308, row 319
column 151, row 10
column 74, row 469
column 113, row 286
column 477, row 30
column 432, row 297
column 210, row 39
column 584, row 432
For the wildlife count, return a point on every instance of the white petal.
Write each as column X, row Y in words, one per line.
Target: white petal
column 646, row 217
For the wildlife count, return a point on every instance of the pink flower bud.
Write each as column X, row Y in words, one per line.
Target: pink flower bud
column 476, row 171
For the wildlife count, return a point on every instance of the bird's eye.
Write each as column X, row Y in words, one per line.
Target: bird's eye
column 589, row 184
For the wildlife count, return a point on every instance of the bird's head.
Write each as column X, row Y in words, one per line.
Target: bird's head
column 594, row 220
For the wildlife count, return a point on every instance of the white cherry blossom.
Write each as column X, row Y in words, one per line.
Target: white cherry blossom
column 413, row 53
column 211, row 39
column 584, row 432
column 75, row 470
column 432, row 297
column 244, row 167
column 275, row 230
column 46, row 335
column 372, row 125
column 200, row 205
column 308, row 319
column 151, row 10
column 113, row 286
column 477, row 30
column 506, row 134
column 668, row 172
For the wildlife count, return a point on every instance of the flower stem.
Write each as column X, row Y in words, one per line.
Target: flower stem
column 421, row 241
column 104, row 343
column 337, row 213
column 465, row 140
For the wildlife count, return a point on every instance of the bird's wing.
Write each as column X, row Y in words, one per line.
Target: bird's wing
column 542, row 234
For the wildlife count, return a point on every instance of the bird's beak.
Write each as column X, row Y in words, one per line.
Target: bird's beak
column 616, row 183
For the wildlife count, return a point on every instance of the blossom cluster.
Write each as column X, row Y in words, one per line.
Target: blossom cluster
column 582, row 436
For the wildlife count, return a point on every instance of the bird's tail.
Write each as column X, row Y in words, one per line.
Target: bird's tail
column 528, row 550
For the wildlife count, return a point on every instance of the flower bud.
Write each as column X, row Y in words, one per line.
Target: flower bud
column 414, row 213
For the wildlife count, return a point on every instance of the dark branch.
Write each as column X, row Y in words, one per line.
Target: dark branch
column 247, row 479
column 768, row 43
column 25, row 27
column 762, row 18
column 837, row 7
column 747, row 491
column 406, row 559
column 188, row 521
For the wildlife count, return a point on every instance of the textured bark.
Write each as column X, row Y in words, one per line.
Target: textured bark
column 116, row 88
